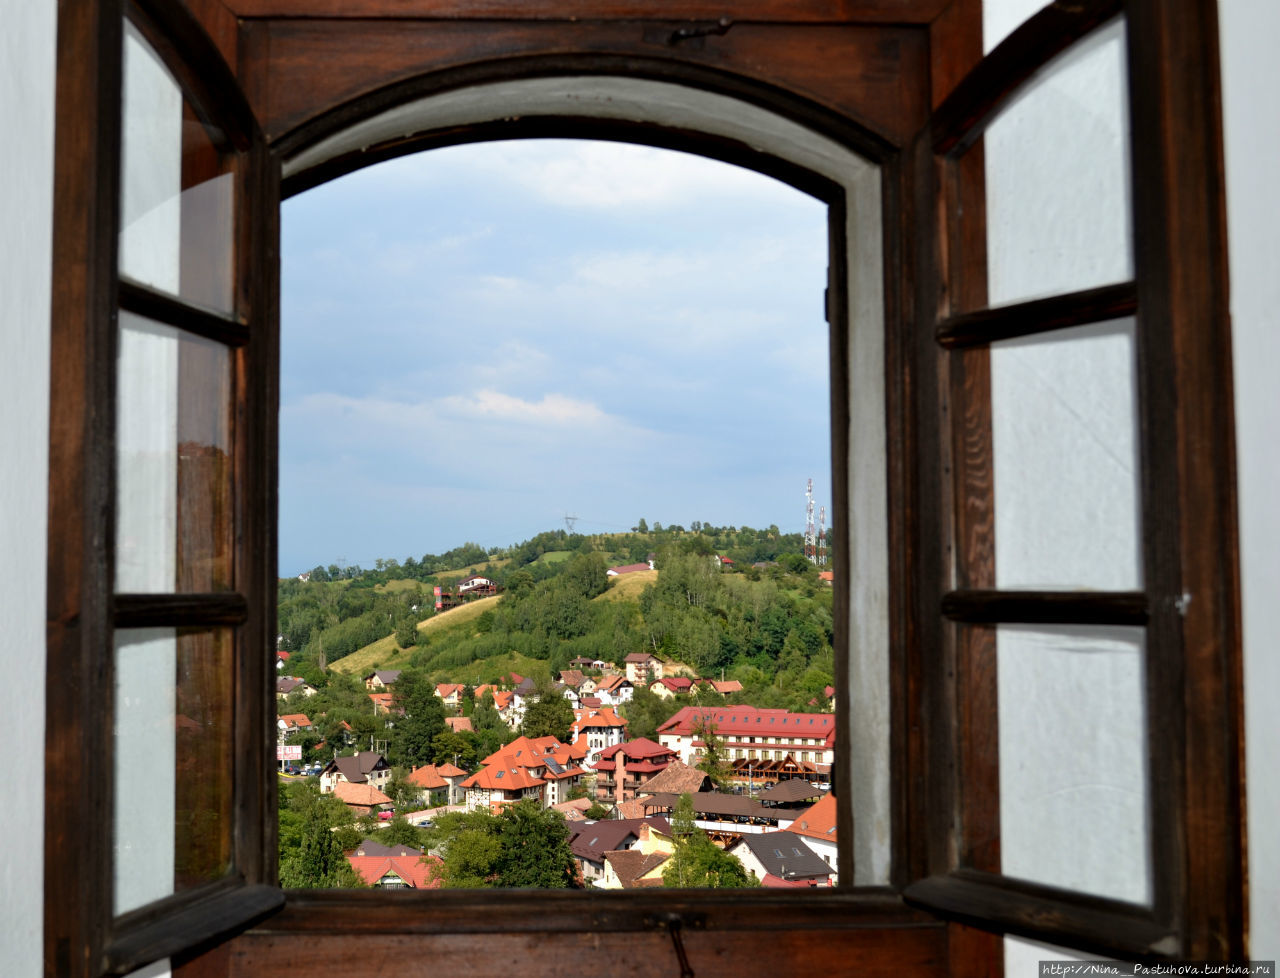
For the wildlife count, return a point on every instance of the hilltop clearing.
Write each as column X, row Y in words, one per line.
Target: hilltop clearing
column 385, row 653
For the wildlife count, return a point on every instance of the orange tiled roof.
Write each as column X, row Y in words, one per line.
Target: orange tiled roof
column 447, row 770
column 296, row 719
column 359, row 794
column 428, row 776
column 818, row 821
column 495, row 778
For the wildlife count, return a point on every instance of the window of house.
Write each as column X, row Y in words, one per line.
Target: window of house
column 1159, row 623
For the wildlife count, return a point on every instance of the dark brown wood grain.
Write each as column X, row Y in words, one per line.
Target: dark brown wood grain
column 1105, row 927
column 77, row 866
column 877, row 953
column 767, row 11
column 312, row 67
column 172, row 610
column 1047, row 607
column 1192, row 573
column 986, row 326
column 960, row 119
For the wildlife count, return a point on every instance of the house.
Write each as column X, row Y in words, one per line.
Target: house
column 676, row 778
column 365, row 767
column 287, row 685
column 642, row 668
column 589, row 841
column 614, row 690
column 632, row 869
column 816, row 827
column 382, row 702
column 394, row 867
column 669, row 686
column 362, row 799
column 725, row 687
column 749, row 733
column 595, row 729
column 779, row 859
column 281, row 658
column 641, row 865
column 475, row 584
column 572, row 678
column 575, row 809
column 459, row 724
column 292, row 723
column 541, row 768
column 1198, row 88
column 628, row 569
column 380, row 680
column 440, row 784
column 450, row 694
column 623, row 770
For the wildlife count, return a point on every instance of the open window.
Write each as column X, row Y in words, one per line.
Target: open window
column 162, row 493
column 1062, row 601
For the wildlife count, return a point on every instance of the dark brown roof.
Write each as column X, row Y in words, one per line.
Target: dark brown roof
column 591, row 840
column 796, row 789
column 630, row 864
column 713, row 803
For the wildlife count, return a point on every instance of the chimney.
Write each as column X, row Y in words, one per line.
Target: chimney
column 619, row 774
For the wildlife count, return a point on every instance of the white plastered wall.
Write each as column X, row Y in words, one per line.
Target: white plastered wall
column 27, row 69
column 685, row 108
column 1251, row 130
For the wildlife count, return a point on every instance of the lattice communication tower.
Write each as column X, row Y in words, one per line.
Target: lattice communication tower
column 810, row 535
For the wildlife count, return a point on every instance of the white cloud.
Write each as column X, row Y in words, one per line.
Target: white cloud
column 556, row 409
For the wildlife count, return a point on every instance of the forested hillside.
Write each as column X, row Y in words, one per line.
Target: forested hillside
column 767, row 626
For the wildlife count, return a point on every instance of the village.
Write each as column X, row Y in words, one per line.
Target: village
column 758, row 780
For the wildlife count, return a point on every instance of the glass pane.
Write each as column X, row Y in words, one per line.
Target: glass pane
column 173, row 490
column 173, row 743
column 177, row 188
column 1057, row 177
column 1073, row 758
column 1064, row 432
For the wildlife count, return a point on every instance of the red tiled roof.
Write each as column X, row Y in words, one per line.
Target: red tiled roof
column 447, row 770
column 296, row 719
column 448, row 689
column 641, row 747
column 732, row 722
column 409, row 868
column 458, row 724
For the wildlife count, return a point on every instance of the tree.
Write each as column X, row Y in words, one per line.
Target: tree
column 524, row 846
column 451, row 747
column 535, row 848
column 400, row 833
column 597, row 811
column 714, row 763
column 697, row 862
column 422, row 719
column 550, row 716
column 318, row 861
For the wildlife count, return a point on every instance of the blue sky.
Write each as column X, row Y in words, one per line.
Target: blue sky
column 480, row 339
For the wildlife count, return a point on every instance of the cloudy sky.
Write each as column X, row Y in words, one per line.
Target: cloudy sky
column 480, row 340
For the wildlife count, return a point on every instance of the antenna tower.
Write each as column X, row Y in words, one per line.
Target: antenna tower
column 822, row 536
column 569, row 522
column 810, row 537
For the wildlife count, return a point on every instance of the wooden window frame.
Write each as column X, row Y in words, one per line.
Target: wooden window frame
column 82, row 935
column 1187, row 604
column 1184, row 363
